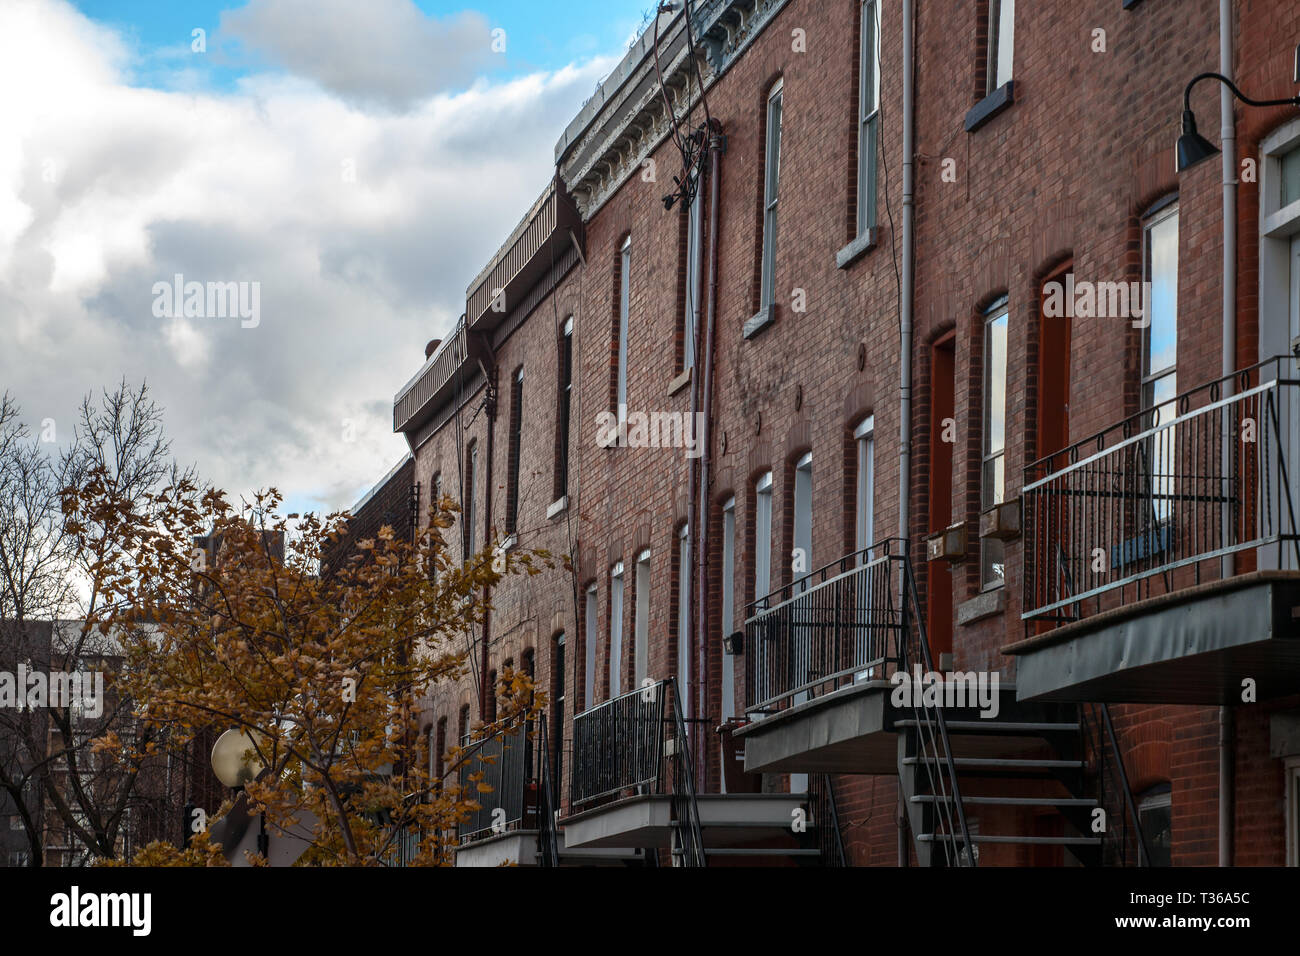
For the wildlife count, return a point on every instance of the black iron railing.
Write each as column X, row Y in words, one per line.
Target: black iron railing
column 637, row 744
column 514, row 792
column 834, row 626
column 548, row 841
column 1171, row 489
column 1123, row 843
column 826, row 819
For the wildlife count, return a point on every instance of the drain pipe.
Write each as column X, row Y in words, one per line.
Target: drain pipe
column 700, row 520
column 905, row 356
column 1227, row 749
column 485, row 660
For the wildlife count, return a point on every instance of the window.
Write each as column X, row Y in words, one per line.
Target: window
column 564, row 411
column 763, row 536
column 1001, row 28
column 728, row 603
column 471, row 469
column 1156, row 819
column 641, row 631
column 463, row 727
column 440, row 749
column 624, row 306
column 865, row 525
column 1160, row 348
column 1290, row 168
column 684, row 617
column 993, row 473
column 868, row 114
column 801, row 559
column 694, row 244
column 559, row 696
column 491, row 714
column 615, row 629
column 516, row 440
column 589, row 685
column 772, row 181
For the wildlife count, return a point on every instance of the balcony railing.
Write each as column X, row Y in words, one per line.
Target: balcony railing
column 1160, row 497
column 829, row 629
column 509, row 763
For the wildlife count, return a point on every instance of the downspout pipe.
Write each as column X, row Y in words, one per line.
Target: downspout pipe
column 1227, row 749
column 905, row 336
column 700, row 523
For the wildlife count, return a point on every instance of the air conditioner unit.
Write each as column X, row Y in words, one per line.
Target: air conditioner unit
column 1002, row 521
column 947, row 545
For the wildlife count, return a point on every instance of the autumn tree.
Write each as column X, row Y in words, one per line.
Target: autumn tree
column 325, row 673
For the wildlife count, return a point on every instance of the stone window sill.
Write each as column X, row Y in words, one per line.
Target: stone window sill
column 990, row 106
column 858, row 248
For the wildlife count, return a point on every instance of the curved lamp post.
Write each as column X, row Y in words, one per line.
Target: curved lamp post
column 1192, row 146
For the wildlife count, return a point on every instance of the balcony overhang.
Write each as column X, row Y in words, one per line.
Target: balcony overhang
column 849, row 728
column 646, row 820
column 519, row 848
column 435, row 384
column 1193, row 646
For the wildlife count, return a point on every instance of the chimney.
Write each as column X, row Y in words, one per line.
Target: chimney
column 431, row 347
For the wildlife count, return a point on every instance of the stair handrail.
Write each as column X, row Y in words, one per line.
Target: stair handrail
column 827, row 820
column 689, row 833
column 913, row 597
column 548, row 850
column 1144, row 856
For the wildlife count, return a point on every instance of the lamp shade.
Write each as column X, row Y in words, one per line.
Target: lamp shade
column 234, row 760
column 1192, row 146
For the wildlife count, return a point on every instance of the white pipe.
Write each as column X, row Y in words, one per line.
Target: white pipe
column 1229, row 136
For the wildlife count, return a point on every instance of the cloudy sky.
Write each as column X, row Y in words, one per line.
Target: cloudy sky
column 359, row 160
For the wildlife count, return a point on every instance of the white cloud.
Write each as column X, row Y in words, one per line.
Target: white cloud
column 247, row 186
column 379, row 52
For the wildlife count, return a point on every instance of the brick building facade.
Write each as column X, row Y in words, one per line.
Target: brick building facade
column 1043, row 149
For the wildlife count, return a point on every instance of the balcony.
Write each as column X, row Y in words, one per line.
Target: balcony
column 450, row 366
column 632, row 786
column 1161, row 554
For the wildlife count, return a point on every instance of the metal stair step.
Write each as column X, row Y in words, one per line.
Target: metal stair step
column 995, row 726
column 995, row 838
column 999, row 763
column 1010, row 801
column 758, row 851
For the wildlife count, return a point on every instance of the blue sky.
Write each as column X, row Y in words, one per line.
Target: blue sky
column 540, row 35
column 358, row 160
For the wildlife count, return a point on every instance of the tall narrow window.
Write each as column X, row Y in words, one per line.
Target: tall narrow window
column 515, row 450
column 801, row 559
column 763, row 536
column 868, row 114
column 440, row 750
column 684, row 616
column 589, row 652
column 563, row 411
column 694, row 243
column 616, row 630
column 1160, row 348
column 1001, row 29
column 491, row 714
column 624, row 309
column 1155, row 816
column 463, row 725
column 865, row 497
column 641, row 632
column 728, row 604
column 771, row 189
column 471, row 470
column 993, row 474
column 559, row 700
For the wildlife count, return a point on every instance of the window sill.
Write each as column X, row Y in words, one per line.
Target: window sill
column 510, row 543
column 858, row 248
column 680, row 382
column 985, row 605
column 990, row 106
column 765, row 317
column 1130, row 4
column 557, row 507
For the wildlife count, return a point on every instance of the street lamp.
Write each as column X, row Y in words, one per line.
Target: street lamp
column 1192, row 146
column 236, row 769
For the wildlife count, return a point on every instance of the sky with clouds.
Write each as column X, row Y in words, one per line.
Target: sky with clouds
column 360, row 161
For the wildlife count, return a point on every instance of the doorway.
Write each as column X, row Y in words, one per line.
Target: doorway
column 943, row 413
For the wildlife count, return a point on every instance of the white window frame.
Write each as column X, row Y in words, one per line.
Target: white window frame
column 684, row 629
column 589, row 652
column 728, row 604
column 641, row 627
column 694, row 243
column 471, row 516
column 624, row 319
column 1002, row 44
column 616, row 630
column 771, row 191
column 868, row 114
column 993, row 491
column 803, row 518
column 763, row 536
column 1162, row 409
column 864, row 437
